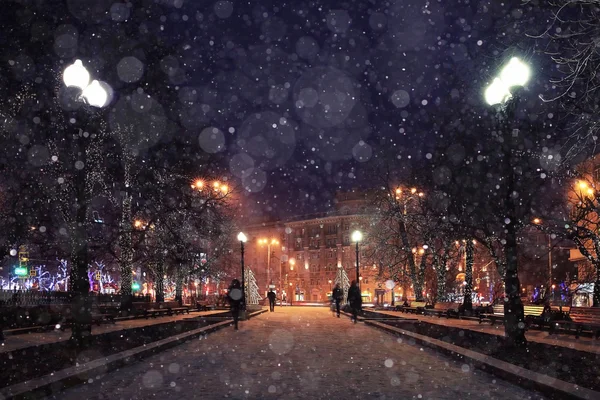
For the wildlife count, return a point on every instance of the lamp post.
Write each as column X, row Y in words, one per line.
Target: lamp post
column 242, row 238
column 97, row 95
column 514, row 75
column 269, row 243
column 357, row 237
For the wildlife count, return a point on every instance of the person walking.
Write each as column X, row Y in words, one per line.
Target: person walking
column 337, row 295
column 234, row 296
column 355, row 300
column 271, row 296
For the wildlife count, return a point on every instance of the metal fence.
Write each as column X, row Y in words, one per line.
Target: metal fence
column 25, row 298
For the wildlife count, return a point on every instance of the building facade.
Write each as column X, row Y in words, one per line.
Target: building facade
column 299, row 258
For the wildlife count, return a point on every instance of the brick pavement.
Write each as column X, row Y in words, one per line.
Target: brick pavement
column 298, row 353
column 15, row 342
column 568, row 340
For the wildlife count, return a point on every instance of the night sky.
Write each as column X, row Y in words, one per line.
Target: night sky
column 299, row 99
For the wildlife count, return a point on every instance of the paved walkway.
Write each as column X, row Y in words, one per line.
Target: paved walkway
column 298, row 353
column 15, row 342
column 568, row 340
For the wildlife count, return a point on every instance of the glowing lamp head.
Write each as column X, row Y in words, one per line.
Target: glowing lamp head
column 242, row 237
column 76, row 75
column 515, row 73
column 497, row 92
column 537, row 221
column 97, row 94
column 357, row 236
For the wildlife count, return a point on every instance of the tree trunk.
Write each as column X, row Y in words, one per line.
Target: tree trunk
column 159, row 280
column 441, row 283
column 418, row 289
column 468, row 289
column 596, row 298
column 514, row 318
column 125, row 240
column 126, row 259
column 179, row 275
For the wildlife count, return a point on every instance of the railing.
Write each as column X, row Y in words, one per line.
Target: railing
column 19, row 298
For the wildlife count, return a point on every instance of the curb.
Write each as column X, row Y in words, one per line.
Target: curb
column 552, row 387
column 60, row 380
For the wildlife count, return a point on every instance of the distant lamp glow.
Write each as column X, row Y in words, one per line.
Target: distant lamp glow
column 537, row 221
column 357, row 236
column 199, row 184
column 413, row 190
column 590, row 191
column 76, row 75
column 135, row 286
column 242, row 237
column 582, row 185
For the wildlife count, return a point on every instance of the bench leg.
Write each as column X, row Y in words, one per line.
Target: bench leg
column 578, row 332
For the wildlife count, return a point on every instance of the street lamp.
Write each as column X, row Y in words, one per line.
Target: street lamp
column 499, row 94
column 357, row 237
column 269, row 243
column 97, row 95
column 515, row 74
column 242, row 238
column 538, row 221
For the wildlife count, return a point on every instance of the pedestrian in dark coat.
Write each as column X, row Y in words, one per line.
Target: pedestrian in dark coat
column 355, row 300
column 337, row 295
column 271, row 296
column 235, row 298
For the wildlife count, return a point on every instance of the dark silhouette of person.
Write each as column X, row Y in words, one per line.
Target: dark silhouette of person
column 355, row 300
column 337, row 295
column 271, row 296
column 235, row 298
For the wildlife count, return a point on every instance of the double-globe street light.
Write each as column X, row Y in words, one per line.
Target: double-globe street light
column 499, row 94
column 79, row 90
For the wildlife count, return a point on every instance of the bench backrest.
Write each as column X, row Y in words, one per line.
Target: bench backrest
column 169, row 304
column 418, row 304
column 533, row 310
column 498, row 309
column 585, row 314
column 446, row 306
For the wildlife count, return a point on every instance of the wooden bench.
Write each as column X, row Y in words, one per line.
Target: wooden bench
column 582, row 319
column 531, row 313
column 495, row 316
column 96, row 319
column 205, row 305
column 446, row 309
column 416, row 307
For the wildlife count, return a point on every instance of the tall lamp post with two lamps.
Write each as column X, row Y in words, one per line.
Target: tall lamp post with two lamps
column 77, row 92
column 499, row 94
